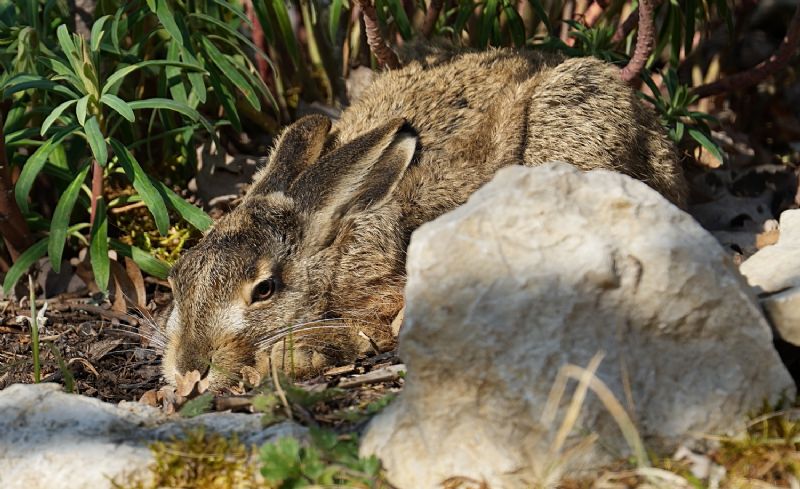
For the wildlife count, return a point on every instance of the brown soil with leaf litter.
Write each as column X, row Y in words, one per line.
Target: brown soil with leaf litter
column 93, row 350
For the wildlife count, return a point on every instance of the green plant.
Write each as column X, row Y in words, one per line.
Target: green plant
column 328, row 459
column 675, row 109
column 80, row 95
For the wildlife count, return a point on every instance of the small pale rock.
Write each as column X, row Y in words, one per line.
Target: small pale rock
column 783, row 310
column 545, row 267
column 49, row 438
column 777, row 267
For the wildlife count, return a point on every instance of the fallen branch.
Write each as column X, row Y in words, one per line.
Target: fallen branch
column 434, row 9
column 763, row 70
column 645, row 40
column 383, row 53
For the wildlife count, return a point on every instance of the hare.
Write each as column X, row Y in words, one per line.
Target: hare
column 309, row 269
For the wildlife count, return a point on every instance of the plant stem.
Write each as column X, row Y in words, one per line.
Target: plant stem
column 37, row 367
column 763, row 70
column 644, row 42
column 383, row 53
column 431, row 16
column 13, row 227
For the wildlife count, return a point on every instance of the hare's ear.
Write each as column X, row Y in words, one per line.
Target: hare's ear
column 355, row 176
column 297, row 148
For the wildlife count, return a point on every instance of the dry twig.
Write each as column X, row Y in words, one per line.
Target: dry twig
column 383, row 53
column 763, row 70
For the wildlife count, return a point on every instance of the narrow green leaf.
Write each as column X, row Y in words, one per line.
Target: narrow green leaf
column 141, row 182
column 96, row 141
column 38, row 83
column 227, row 100
column 706, row 143
column 231, row 32
column 68, row 47
column 34, row 165
column 81, row 108
column 400, row 18
column 146, row 262
column 486, row 22
column 233, row 8
column 50, row 119
column 230, row 71
column 97, row 32
column 166, row 104
column 334, row 17
column 120, row 106
column 61, row 216
column 98, row 248
column 193, row 215
column 115, row 28
column 121, row 73
column 173, row 75
column 23, row 263
column 167, row 19
column 537, row 7
column 287, row 36
column 515, row 24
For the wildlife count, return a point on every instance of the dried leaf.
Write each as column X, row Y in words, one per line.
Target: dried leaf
column 137, row 280
column 100, row 349
column 186, row 383
column 150, row 398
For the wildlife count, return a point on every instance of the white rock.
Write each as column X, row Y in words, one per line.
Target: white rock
column 545, row 267
column 49, row 438
column 775, row 273
column 777, row 267
column 783, row 310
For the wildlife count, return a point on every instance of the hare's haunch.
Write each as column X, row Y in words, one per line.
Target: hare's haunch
column 313, row 260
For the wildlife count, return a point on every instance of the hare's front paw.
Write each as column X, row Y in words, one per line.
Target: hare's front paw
column 301, row 361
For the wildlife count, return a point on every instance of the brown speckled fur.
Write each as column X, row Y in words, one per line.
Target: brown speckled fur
column 331, row 214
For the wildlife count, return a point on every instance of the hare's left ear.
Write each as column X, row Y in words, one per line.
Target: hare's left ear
column 355, row 176
column 298, row 147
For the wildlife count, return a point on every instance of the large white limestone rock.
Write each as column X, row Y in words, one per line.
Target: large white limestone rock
column 549, row 266
column 49, row 438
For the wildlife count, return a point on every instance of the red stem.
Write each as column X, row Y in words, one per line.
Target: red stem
column 13, row 227
column 763, row 70
column 383, row 53
column 645, row 39
column 258, row 40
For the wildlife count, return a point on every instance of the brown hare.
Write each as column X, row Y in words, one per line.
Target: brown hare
column 309, row 269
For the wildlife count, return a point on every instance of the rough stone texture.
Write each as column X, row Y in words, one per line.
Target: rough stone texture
column 49, row 438
column 545, row 267
column 775, row 272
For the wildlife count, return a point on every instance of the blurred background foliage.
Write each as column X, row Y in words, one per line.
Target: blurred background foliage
column 104, row 104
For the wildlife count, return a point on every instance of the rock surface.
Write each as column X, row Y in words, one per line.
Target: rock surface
column 775, row 272
column 49, row 438
column 545, row 267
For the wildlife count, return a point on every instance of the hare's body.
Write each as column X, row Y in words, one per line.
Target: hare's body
column 322, row 234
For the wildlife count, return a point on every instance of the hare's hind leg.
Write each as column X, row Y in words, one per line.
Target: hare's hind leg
column 582, row 112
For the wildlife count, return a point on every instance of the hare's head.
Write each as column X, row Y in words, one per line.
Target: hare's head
column 263, row 273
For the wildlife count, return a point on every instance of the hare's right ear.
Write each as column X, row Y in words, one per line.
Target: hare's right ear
column 297, row 148
column 357, row 175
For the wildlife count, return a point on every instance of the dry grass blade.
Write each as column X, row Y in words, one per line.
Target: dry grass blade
column 279, row 390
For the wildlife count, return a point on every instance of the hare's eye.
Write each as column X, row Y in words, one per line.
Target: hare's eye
column 263, row 290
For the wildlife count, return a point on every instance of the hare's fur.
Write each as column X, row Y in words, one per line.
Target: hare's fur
column 330, row 215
